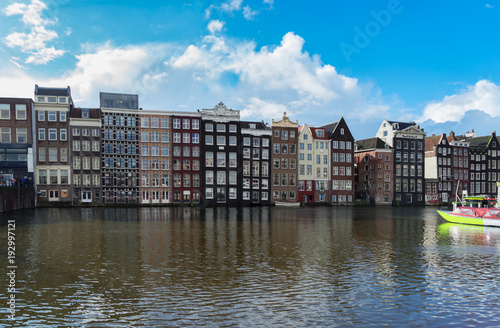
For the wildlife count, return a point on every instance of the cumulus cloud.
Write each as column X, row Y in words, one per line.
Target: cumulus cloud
column 483, row 96
column 261, row 82
column 215, row 26
column 35, row 42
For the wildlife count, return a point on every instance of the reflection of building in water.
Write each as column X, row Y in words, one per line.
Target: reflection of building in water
column 71, row 257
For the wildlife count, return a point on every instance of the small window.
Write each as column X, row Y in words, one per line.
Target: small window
column 21, row 112
column 5, row 111
column 52, row 99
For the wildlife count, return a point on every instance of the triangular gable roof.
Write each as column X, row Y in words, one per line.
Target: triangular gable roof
column 258, row 125
column 480, row 141
column 330, row 127
column 402, row 125
column 372, row 143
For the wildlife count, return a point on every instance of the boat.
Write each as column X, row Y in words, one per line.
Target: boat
column 295, row 204
column 475, row 210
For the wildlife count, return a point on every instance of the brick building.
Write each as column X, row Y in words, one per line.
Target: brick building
column 53, row 171
column 374, row 160
column 85, row 145
column 342, row 163
column 16, row 143
column 285, row 159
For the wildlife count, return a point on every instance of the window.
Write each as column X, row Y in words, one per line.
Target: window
column 221, row 159
column 5, row 134
column 221, row 140
column 209, row 177
column 186, row 124
column 209, row 140
column 5, row 111
column 209, row 159
column 20, row 112
column 209, row 127
column 52, row 116
column 196, row 138
column 62, row 116
column 42, row 176
column 195, row 124
column 41, row 116
column 42, row 156
column 176, row 123
column 232, row 128
column 52, row 134
column 41, row 134
column 52, row 154
column 64, row 154
column 221, row 128
column 63, row 135
column 232, row 160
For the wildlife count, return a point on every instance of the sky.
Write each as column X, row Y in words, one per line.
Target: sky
column 435, row 63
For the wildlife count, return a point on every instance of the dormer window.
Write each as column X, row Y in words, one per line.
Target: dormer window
column 41, row 99
column 252, row 126
column 62, row 100
column 320, row 133
column 52, row 99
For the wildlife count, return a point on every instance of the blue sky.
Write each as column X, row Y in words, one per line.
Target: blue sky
column 435, row 63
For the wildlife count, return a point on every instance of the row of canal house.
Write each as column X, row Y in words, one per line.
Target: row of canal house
column 121, row 154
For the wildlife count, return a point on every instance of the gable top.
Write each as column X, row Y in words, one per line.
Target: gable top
column 285, row 122
column 372, row 143
column 221, row 110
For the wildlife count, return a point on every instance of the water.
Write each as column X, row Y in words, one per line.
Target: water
column 261, row 266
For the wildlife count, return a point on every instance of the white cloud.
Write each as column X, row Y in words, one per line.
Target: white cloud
column 262, row 83
column 231, row 5
column 35, row 42
column 489, row 6
column 215, row 26
column 31, row 13
column 483, row 96
column 36, row 39
column 266, row 110
column 248, row 13
column 44, row 55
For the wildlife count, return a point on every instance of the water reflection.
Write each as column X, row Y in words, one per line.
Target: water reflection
column 252, row 267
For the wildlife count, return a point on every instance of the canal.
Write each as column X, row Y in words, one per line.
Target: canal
column 258, row 266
